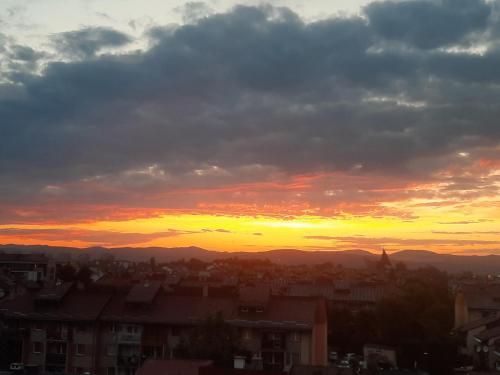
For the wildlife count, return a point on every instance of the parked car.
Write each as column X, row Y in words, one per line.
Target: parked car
column 344, row 364
column 333, row 356
column 15, row 366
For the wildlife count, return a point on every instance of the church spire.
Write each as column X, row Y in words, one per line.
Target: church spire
column 384, row 262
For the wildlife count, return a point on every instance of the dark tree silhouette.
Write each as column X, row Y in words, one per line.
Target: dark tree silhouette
column 213, row 339
column 66, row 272
column 84, row 275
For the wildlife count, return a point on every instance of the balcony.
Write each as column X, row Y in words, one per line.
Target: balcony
column 273, row 341
column 273, row 361
column 57, row 335
column 128, row 361
column 55, row 359
column 125, row 337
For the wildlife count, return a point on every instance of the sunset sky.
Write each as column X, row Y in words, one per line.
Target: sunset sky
column 245, row 125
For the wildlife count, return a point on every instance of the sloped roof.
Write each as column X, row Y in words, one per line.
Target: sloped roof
column 254, row 295
column 76, row 306
column 478, row 323
column 168, row 309
column 355, row 293
column 284, row 312
column 281, row 311
column 488, row 334
column 143, row 292
column 186, row 310
column 482, row 296
column 22, row 258
column 172, row 367
column 53, row 292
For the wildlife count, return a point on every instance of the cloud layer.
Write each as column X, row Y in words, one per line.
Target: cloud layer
column 256, row 111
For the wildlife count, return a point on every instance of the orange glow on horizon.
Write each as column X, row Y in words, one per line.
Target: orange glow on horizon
column 334, row 211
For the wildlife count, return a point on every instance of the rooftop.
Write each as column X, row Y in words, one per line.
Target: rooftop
column 172, row 367
column 22, row 258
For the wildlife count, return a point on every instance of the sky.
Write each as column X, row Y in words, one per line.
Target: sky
column 246, row 125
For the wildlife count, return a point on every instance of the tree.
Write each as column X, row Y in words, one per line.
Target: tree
column 213, row 339
column 66, row 272
column 84, row 275
column 418, row 321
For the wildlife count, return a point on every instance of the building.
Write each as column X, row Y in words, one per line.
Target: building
column 477, row 324
column 57, row 326
column 476, row 301
column 342, row 294
column 169, row 367
column 110, row 332
column 30, row 267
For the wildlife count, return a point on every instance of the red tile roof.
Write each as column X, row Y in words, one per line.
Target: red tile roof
column 144, row 292
column 77, row 306
column 172, row 367
column 283, row 312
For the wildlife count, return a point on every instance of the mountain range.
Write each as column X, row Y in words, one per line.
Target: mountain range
column 348, row 258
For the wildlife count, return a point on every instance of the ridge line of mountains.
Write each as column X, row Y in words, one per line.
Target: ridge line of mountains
column 348, row 258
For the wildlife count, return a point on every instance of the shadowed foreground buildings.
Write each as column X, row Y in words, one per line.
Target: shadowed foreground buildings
column 477, row 323
column 66, row 329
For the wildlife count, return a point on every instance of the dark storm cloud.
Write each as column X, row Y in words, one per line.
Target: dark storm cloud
column 428, row 23
column 252, row 87
column 24, row 53
column 86, row 42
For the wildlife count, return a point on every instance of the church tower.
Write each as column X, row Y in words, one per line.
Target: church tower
column 384, row 262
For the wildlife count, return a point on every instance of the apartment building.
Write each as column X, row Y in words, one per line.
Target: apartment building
column 32, row 267
column 112, row 332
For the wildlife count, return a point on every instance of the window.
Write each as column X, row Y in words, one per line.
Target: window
column 56, row 348
column 274, row 340
column 37, row 347
column 295, row 336
column 80, row 349
column 247, row 334
column 259, row 310
column 244, row 309
column 78, row 370
column 111, row 371
column 37, row 326
column 111, row 350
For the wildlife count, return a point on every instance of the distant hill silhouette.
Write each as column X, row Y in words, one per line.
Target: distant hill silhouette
column 348, row 258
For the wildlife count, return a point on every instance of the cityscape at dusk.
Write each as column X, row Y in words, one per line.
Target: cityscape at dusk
column 250, row 187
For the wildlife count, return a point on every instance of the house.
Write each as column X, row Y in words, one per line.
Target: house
column 476, row 301
column 32, row 267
